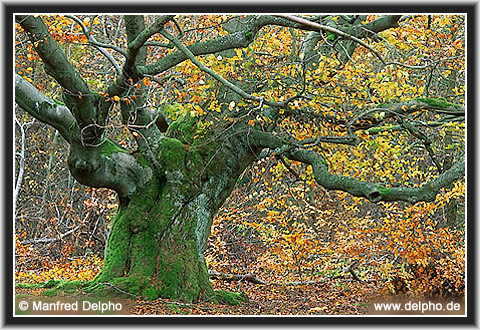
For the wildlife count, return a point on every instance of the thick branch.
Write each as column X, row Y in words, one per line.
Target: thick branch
column 429, row 190
column 402, row 108
column 255, row 280
column 309, row 25
column 135, row 25
column 340, row 33
column 235, row 277
column 238, row 39
column 57, row 65
column 108, row 166
column 371, row 191
column 350, row 140
column 393, row 128
column 382, row 23
column 143, row 36
column 215, row 75
column 44, row 109
column 77, row 96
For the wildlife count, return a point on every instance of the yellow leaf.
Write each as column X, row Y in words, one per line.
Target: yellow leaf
column 321, row 65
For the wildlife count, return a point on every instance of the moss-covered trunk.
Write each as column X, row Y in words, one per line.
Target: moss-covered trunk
column 153, row 249
column 156, row 241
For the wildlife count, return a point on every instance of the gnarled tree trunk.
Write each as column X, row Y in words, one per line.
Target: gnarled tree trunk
column 155, row 246
column 157, row 239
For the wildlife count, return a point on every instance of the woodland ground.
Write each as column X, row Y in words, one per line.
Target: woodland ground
column 332, row 297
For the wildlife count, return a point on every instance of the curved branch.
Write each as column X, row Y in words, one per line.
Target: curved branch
column 44, row 109
column 56, row 63
column 349, row 36
column 99, row 46
column 373, row 192
column 402, row 108
column 215, row 75
column 108, row 166
column 238, row 39
column 334, row 31
column 77, row 95
column 382, row 23
column 143, row 36
column 137, row 36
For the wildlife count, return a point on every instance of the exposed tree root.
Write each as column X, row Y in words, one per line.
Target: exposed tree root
column 252, row 279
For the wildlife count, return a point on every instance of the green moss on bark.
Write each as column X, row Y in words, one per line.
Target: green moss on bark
column 121, row 286
column 51, row 292
column 183, row 276
column 183, row 129
column 152, row 249
column 172, row 156
column 109, row 147
column 230, row 298
column 156, row 242
column 384, row 191
column 440, row 103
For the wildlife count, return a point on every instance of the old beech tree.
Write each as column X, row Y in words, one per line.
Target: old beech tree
column 175, row 178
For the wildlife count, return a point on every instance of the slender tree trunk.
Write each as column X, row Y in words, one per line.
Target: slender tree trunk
column 451, row 208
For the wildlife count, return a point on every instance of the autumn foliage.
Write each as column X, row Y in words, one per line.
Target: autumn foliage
column 278, row 224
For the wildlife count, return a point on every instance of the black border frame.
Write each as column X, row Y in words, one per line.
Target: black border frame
column 184, row 8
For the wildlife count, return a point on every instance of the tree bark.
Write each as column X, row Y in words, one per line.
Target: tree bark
column 157, row 240
column 153, row 249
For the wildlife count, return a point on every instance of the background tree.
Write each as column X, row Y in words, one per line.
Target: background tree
column 169, row 112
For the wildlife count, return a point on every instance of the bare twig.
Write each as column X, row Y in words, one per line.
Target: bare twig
column 47, row 240
column 215, row 75
column 21, row 165
column 100, row 46
column 118, row 289
column 345, row 35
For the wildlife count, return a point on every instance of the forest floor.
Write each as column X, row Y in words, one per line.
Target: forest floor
column 332, row 297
